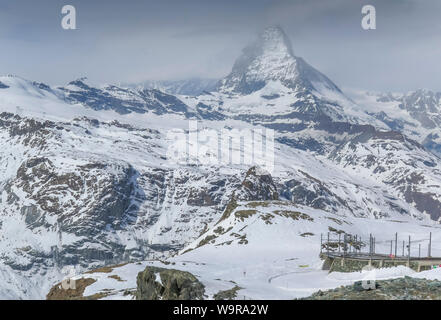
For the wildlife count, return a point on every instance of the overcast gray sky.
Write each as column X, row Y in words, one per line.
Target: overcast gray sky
column 135, row 40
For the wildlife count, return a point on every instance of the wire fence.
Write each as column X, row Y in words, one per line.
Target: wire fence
column 344, row 244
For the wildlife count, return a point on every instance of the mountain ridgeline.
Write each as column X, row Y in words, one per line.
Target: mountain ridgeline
column 86, row 180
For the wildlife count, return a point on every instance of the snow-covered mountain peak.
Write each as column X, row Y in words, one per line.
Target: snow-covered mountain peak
column 273, row 39
column 80, row 83
column 271, row 58
column 15, row 85
column 423, row 96
column 13, row 80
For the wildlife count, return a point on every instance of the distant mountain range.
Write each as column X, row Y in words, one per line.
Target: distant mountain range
column 189, row 87
column 86, row 180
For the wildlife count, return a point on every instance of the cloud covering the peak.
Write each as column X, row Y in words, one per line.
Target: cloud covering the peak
column 129, row 41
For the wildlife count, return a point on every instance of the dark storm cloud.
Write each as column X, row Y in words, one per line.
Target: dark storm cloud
column 120, row 41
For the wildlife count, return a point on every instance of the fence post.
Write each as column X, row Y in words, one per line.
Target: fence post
column 355, row 244
column 408, row 250
column 321, row 242
column 370, row 243
column 396, row 243
column 419, row 250
column 374, row 245
column 327, row 245
column 391, row 247
column 350, row 243
column 344, row 245
column 403, row 248
column 430, row 245
column 339, row 237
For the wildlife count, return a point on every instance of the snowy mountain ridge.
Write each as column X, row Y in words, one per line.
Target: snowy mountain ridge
column 188, row 87
column 271, row 58
column 87, row 180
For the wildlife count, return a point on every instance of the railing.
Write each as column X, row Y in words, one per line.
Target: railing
column 353, row 246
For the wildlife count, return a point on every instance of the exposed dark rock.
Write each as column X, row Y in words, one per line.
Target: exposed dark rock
column 168, row 284
column 257, row 185
column 406, row 288
column 230, row 294
column 3, row 86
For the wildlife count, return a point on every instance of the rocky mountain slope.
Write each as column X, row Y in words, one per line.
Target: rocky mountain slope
column 89, row 179
column 416, row 114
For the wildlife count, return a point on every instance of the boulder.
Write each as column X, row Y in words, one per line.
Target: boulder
column 168, row 284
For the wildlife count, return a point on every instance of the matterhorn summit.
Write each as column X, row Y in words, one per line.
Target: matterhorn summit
column 271, row 58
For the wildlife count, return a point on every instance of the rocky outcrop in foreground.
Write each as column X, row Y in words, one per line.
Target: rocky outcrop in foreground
column 406, row 288
column 168, row 284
